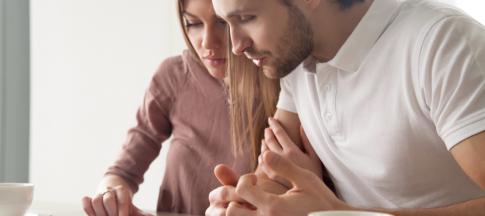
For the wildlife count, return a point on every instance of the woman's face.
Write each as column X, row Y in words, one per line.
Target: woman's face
column 207, row 35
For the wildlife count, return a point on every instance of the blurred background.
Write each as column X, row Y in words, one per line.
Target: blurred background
column 72, row 75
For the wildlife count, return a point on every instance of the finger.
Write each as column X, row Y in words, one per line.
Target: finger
column 87, row 206
column 225, row 175
column 98, row 206
column 215, row 211
column 223, row 195
column 109, row 202
column 271, row 141
column 264, row 147
column 281, row 135
column 249, row 191
column 236, row 209
column 124, row 200
column 279, row 166
column 307, row 146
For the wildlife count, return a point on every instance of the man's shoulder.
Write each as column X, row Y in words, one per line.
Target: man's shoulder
column 425, row 13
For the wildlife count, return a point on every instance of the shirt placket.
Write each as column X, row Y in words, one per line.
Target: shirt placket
column 327, row 93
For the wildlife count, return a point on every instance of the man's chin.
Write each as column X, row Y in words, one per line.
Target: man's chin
column 271, row 72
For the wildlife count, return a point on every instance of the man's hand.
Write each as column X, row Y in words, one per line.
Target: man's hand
column 308, row 192
column 223, row 200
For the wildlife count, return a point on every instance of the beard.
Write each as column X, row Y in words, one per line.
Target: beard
column 294, row 46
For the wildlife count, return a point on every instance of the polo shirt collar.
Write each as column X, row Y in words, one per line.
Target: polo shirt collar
column 352, row 53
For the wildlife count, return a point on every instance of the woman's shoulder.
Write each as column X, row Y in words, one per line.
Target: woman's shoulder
column 177, row 67
column 173, row 73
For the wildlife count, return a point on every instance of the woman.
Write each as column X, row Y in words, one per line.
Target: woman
column 187, row 100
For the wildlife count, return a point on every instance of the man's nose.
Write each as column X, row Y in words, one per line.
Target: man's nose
column 240, row 42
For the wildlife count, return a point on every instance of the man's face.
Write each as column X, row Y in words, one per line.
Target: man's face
column 275, row 36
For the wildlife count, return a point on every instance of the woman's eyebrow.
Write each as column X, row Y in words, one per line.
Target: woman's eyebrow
column 185, row 13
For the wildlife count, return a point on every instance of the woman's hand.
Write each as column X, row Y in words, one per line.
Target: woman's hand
column 277, row 140
column 114, row 198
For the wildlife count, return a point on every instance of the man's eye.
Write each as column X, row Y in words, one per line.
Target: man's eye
column 246, row 18
column 221, row 22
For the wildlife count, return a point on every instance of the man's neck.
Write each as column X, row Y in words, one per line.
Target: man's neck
column 333, row 25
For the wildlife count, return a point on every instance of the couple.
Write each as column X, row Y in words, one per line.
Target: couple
column 390, row 94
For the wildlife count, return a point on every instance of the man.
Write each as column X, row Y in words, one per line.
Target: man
column 391, row 95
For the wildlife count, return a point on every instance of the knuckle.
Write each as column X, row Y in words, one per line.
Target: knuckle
column 292, row 154
column 213, row 195
column 240, row 189
column 224, row 194
column 97, row 199
column 109, row 198
column 277, row 130
column 122, row 189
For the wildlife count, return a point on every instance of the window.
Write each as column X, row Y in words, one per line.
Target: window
column 14, row 90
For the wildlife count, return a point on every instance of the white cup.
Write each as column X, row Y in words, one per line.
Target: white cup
column 15, row 198
column 347, row 213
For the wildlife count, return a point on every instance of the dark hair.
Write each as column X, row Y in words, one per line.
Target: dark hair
column 344, row 4
column 347, row 3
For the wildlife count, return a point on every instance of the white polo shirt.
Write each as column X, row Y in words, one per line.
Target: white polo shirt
column 407, row 86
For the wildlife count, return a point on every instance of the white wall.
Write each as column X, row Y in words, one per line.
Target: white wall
column 91, row 62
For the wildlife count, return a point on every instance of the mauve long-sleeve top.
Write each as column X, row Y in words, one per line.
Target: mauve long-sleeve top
column 185, row 102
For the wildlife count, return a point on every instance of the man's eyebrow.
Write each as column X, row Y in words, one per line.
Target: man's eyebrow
column 237, row 12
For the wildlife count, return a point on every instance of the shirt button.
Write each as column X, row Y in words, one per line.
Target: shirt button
column 328, row 116
column 329, row 88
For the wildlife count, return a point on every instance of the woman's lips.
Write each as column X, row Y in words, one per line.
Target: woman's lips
column 215, row 62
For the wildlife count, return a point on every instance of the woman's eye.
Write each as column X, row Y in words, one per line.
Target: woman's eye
column 246, row 18
column 190, row 24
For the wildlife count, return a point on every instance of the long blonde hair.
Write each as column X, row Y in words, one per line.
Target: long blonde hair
column 252, row 99
column 180, row 10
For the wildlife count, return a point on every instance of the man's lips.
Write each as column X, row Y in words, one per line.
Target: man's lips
column 257, row 59
column 258, row 62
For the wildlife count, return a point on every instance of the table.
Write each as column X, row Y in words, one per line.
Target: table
column 40, row 208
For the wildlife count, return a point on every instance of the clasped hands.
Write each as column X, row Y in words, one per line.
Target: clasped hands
column 287, row 182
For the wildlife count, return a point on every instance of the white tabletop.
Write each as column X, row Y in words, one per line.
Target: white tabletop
column 39, row 208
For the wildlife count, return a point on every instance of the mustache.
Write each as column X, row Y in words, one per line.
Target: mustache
column 255, row 54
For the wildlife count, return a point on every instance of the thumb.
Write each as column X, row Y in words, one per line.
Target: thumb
column 225, row 175
column 279, row 166
column 137, row 212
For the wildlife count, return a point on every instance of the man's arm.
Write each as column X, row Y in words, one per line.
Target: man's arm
column 470, row 155
column 309, row 194
column 224, row 201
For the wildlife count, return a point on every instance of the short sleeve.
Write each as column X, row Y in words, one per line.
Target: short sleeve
column 453, row 77
column 286, row 99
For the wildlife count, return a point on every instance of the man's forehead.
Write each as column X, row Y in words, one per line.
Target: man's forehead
column 228, row 8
